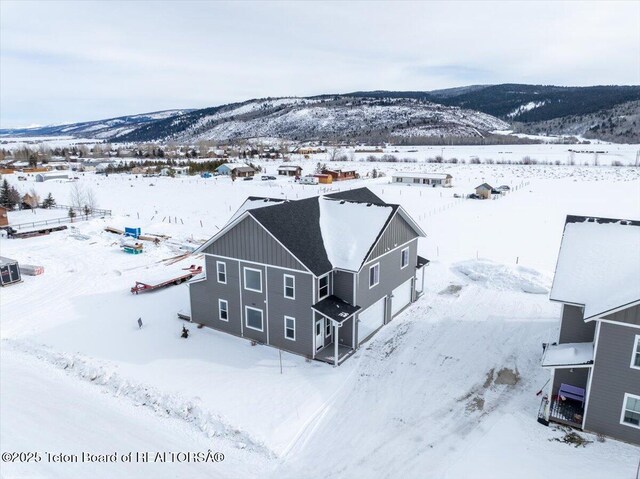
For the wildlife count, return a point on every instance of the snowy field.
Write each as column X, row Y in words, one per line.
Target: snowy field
column 425, row 398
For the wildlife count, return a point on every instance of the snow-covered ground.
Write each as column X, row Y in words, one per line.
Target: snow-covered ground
column 446, row 390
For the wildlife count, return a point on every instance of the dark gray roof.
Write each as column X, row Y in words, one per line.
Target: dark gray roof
column 296, row 224
column 486, row 186
column 335, row 308
column 243, row 168
column 421, row 262
column 360, row 195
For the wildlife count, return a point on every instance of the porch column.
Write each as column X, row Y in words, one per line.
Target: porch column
column 335, row 343
column 422, row 292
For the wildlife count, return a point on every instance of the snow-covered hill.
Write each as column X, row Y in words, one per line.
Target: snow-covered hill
column 101, row 129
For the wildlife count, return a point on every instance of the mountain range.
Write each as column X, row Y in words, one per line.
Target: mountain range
column 468, row 113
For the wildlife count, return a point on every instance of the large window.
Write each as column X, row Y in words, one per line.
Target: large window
column 221, row 267
column 253, row 280
column 253, row 318
column 290, row 328
column 635, row 358
column 404, row 258
column 223, row 310
column 374, row 275
column 631, row 411
column 323, row 287
column 289, row 286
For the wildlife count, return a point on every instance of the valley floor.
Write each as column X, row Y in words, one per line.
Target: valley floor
column 447, row 390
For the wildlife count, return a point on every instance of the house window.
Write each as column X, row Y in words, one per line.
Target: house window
column 374, row 275
column 635, row 358
column 223, row 310
column 631, row 411
column 327, row 328
column 289, row 286
column 253, row 280
column 222, row 272
column 253, row 318
column 404, row 258
column 416, row 180
column 290, row 328
column 323, row 289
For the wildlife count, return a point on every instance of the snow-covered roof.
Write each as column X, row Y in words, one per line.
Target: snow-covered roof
column 350, row 229
column 598, row 264
column 231, row 166
column 568, row 354
column 435, row 176
column 289, row 167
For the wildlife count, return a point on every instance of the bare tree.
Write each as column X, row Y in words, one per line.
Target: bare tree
column 77, row 196
column 90, row 201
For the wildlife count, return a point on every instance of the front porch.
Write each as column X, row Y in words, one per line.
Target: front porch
column 568, row 412
column 327, row 354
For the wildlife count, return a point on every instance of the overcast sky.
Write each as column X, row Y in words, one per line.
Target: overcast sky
column 74, row 61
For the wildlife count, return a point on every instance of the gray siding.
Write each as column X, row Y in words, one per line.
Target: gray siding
column 249, row 241
column 397, row 232
column 573, row 328
column 254, row 300
column 343, row 285
column 204, row 297
column 612, row 378
column 629, row 315
column 391, row 276
column 300, row 308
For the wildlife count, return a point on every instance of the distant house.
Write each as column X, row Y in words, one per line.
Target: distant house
column 4, row 216
column 595, row 362
column 316, row 277
column 339, row 175
column 175, row 171
column 426, row 179
column 52, row 175
column 239, row 169
column 484, row 191
column 324, row 179
column 29, row 201
column 243, row 171
column 503, row 189
column 290, row 170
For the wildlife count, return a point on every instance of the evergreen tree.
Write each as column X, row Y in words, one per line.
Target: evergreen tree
column 48, row 201
column 4, row 194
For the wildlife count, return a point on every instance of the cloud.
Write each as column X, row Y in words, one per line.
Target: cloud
column 90, row 60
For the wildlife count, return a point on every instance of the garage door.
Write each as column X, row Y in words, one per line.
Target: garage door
column 401, row 297
column 370, row 320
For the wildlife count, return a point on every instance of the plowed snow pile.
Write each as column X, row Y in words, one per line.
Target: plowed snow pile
column 503, row 277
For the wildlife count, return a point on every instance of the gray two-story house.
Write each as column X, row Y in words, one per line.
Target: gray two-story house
column 595, row 363
column 316, row 277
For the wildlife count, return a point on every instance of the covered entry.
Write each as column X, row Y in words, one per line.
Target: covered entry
column 370, row 320
column 9, row 270
column 337, row 314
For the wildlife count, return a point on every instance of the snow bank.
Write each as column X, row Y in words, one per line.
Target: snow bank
column 349, row 230
column 164, row 404
column 503, row 277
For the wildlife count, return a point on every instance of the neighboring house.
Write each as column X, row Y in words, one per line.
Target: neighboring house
column 324, row 179
column 339, row 175
column 484, row 191
column 226, row 168
column 503, row 189
column 9, row 271
column 4, row 216
column 243, row 171
column 427, row 179
column 316, row 277
column 290, row 170
column 595, row 364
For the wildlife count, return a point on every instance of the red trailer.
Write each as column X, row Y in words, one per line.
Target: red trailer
column 183, row 275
